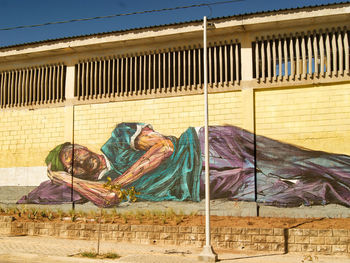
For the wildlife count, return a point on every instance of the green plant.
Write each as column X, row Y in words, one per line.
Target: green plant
column 50, row 216
column 88, row 254
column 35, row 213
column 91, row 254
column 178, row 219
column 111, row 255
column 139, row 216
column 73, row 215
column 43, row 214
column 60, row 214
column 22, row 210
column 125, row 218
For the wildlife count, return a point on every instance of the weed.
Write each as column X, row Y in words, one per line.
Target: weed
column 125, row 218
column 178, row 219
column 60, row 214
column 139, row 215
column 111, row 255
column 89, row 254
column 43, row 214
column 50, row 216
column 35, row 213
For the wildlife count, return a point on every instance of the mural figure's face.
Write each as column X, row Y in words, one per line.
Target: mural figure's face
column 86, row 164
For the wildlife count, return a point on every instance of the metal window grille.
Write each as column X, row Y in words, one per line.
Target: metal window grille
column 175, row 70
column 320, row 54
column 32, row 86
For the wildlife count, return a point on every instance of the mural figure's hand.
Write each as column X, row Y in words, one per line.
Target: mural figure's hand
column 58, row 177
column 93, row 191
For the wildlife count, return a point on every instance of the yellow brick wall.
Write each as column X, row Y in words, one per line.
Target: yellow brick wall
column 317, row 117
column 27, row 136
column 170, row 116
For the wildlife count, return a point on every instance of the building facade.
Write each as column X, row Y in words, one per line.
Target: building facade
column 280, row 75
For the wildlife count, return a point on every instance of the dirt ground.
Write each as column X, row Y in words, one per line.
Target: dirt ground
column 186, row 220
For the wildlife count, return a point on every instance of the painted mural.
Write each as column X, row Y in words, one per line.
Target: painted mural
column 243, row 167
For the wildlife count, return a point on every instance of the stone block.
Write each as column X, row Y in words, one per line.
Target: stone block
column 43, row 232
column 141, row 235
column 223, row 245
column 6, row 218
column 313, row 233
column 259, row 239
column 124, row 227
column 324, row 249
column 198, row 229
column 102, row 227
column 274, row 239
column 214, row 230
column 295, row 232
column 182, row 236
column 308, row 248
column 302, row 239
column 246, row 238
column 277, row 247
column 192, row 237
column 344, row 240
column 130, row 235
column 317, row 240
column 340, row 232
column 166, row 236
column 294, row 248
column 291, row 240
column 339, row 248
column 141, row 228
column 157, row 229
column 185, row 229
column 253, row 231
column 332, row 240
column 229, row 238
column 225, row 230
column 171, row 229
column 39, row 225
column 217, row 238
column 153, row 235
column 325, row 233
column 278, row 231
column 112, row 227
column 266, row 231
column 201, row 237
column 264, row 247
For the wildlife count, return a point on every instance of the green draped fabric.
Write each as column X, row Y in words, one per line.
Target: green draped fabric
column 54, row 158
column 177, row 178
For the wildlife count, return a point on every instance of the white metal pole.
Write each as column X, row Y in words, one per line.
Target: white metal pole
column 207, row 188
column 207, row 254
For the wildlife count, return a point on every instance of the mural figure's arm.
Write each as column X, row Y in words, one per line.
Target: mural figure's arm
column 157, row 147
column 93, row 191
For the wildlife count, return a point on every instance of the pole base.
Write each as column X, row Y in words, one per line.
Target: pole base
column 208, row 255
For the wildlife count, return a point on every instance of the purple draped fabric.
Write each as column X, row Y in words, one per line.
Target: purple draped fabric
column 48, row 193
column 286, row 175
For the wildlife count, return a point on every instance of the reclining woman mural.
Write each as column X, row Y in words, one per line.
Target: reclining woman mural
column 168, row 168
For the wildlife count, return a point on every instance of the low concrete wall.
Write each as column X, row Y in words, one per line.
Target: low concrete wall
column 322, row 241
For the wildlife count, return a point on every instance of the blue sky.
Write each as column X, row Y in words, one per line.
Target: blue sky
column 29, row 12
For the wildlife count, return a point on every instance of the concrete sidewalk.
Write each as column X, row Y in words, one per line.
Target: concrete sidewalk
column 50, row 250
